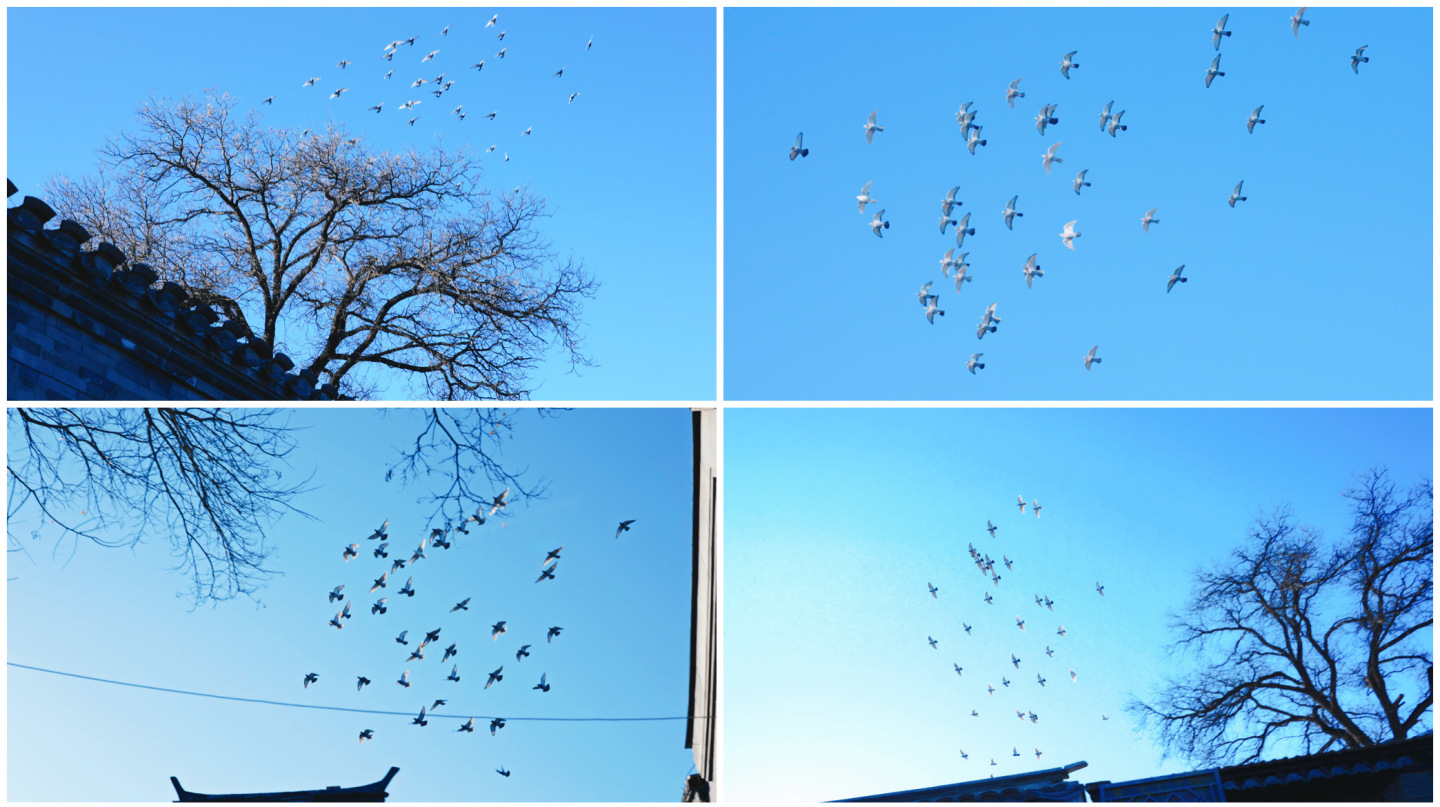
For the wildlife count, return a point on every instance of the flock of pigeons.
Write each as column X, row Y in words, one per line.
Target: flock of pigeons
column 953, row 264
column 441, row 538
column 988, row 569
column 438, row 86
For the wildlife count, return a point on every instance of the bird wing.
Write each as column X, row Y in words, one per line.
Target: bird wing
column 1014, row 85
column 871, row 119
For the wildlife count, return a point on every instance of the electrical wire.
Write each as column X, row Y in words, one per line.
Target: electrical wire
column 507, row 718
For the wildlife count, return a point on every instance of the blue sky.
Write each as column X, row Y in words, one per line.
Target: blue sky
column 628, row 169
column 1318, row 287
column 624, row 605
column 837, row 519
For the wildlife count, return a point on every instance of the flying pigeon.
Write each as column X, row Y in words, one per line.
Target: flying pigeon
column 974, row 140
column 432, row 636
column 966, row 627
column 1014, row 752
column 310, row 83
column 367, row 734
column 1170, row 285
column 547, row 574
column 351, row 551
column 960, row 671
column 469, row 726
column 497, row 629
column 337, row 93
column 1105, row 115
column 1099, row 588
column 624, row 527
column 360, row 682
column 1049, row 157
column 501, row 36
column 1061, row 631
column 271, row 99
column 522, row 652
column 990, row 687
column 1149, row 219
column 379, row 531
column 492, row 20
column 378, row 607
column 336, row 595
column 480, row 65
column 1213, row 70
column 450, row 651
column 501, row 54
column 988, row 599
column 931, row 310
column 454, row 673
column 1039, row 678
column 335, row 620
column 933, row 643
column 1011, row 213
column 542, row 686
column 1354, row 62
column 1019, row 623
column 1046, row 118
column 1034, row 505
column 429, row 56
column 526, row 132
column 380, row 550
column 558, row 73
column 1037, row 753
column 463, row 605
column 1115, row 123
column 1066, row 64
column 944, row 220
column 797, row 149
column 1072, row 674
column 396, row 565
column 1013, row 93
column 1091, row 357
column 341, row 64
column 1031, row 270
column 865, row 198
column 553, row 632
column 401, row 638
column 418, row 654
column 975, row 363
column 421, row 721
column 310, row 678
column 871, row 128
column 1080, row 181
column 1009, row 564
column 988, row 323
column 495, row 676
column 404, row 679
column 877, row 224
column 961, row 277
column 1049, row 652
column 1069, row 235
column 497, row 723
column 503, row 772
column 1219, row 31
column 989, row 526
column 934, row 592
column 1049, row 603
column 438, row 704
column 1235, row 194
column 408, row 590
column 1254, row 119
column 1297, row 21
column 949, row 203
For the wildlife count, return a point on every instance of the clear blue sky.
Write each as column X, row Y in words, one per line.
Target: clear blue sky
column 628, row 168
column 624, row 605
column 837, row 520
column 1319, row 287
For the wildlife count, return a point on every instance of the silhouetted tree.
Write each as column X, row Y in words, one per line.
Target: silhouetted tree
column 402, row 264
column 1293, row 640
column 208, row 480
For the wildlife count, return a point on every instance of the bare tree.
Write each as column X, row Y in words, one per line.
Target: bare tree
column 210, row 480
column 462, row 447
column 367, row 265
column 1296, row 641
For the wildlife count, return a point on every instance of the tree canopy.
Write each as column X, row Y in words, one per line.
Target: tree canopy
column 366, row 266
column 1295, row 639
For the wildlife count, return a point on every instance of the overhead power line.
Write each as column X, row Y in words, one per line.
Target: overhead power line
column 334, row 708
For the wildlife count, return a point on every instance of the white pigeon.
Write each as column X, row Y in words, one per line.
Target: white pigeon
column 1213, row 70
column 988, row 323
column 336, row 94
column 1013, row 93
column 1297, row 21
column 871, row 128
column 1066, row 63
column 1235, row 194
column 931, row 310
column 1069, row 235
column 950, row 261
column 961, row 278
column 404, row 679
column 878, row 223
column 310, row 83
column 429, row 56
column 975, row 363
column 944, row 220
column 1010, row 213
column 1254, row 119
column 963, row 229
column 1149, row 219
column 1035, row 506
column 1080, row 181
column 1115, row 123
column 1176, row 278
column 492, row 20
column 925, row 295
column 1356, row 59
column 1021, row 504
column 1032, row 270
column 949, row 203
column 499, row 502
column 865, row 198
column 1090, row 358
column 1049, row 157
column 1046, row 118
column 974, row 140
column 797, row 149
column 1219, row 31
